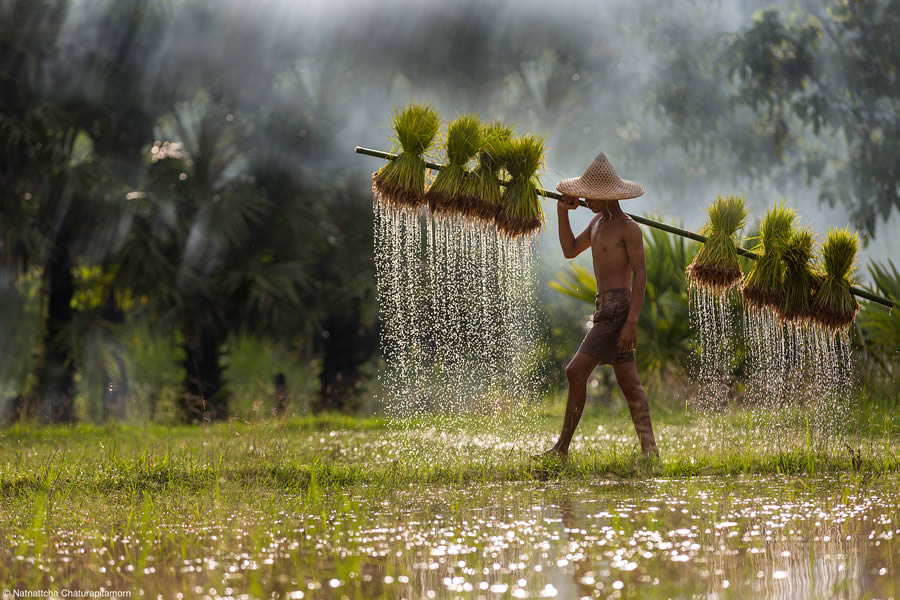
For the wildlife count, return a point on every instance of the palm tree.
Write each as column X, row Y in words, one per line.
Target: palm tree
column 64, row 156
column 213, row 248
column 877, row 329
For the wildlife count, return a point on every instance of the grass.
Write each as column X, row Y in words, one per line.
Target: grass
column 293, row 454
column 272, row 509
column 764, row 285
column 833, row 306
column 401, row 182
column 520, row 213
column 717, row 264
column 464, row 140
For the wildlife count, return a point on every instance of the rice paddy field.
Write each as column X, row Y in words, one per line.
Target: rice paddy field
column 332, row 506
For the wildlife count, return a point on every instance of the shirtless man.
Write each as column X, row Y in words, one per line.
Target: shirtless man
column 617, row 249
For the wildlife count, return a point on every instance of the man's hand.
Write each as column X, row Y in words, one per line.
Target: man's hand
column 628, row 337
column 568, row 202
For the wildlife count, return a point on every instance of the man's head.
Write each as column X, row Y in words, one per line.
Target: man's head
column 600, row 181
column 605, row 206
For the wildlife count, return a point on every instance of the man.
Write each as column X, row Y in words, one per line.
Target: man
column 617, row 249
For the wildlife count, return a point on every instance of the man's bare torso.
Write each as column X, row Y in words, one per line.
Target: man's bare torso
column 612, row 267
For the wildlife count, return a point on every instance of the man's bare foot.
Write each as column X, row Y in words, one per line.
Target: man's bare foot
column 650, row 453
column 553, row 452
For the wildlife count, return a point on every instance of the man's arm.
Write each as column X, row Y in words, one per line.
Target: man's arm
column 634, row 247
column 571, row 246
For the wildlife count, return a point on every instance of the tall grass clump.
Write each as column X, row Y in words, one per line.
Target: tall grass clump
column 800, row 277
column 833, row 306
column 764, row 284
column 481, row 193
column 520, row 210
column 401, row 182
column 464, row 140
column 716, row 265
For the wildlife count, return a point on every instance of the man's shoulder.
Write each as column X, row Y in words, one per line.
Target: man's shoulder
column 629, row 230
column 631, row 225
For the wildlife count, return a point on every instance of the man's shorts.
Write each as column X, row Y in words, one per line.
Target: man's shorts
column 610, row 313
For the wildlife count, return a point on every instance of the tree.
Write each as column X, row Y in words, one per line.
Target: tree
column 65, row 151
column 213, row 248
column 814, row 92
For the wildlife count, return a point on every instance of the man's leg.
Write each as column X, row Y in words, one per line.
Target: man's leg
column 577, row 373
column 630, row 384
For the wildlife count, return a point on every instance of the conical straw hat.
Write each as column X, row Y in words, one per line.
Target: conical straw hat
column 600, row 182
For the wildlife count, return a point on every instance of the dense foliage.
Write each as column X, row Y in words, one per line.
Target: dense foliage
column 811, row 91
column 176, row 176
column 182, row 211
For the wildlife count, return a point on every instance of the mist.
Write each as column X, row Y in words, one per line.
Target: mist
column 580, row 75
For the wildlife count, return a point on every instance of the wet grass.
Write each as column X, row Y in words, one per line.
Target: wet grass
column 337, row 451
column 333, row 505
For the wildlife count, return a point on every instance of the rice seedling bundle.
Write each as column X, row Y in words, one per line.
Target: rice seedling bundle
column 716, row 265
column 833, row 306
column 520, row 210
column 464, row 140
column 800, row 277
column 481, row 192
column 764, row 284
column 401, row 182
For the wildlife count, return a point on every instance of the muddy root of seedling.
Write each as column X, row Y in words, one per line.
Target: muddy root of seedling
column 759, row 297
column 515, row 227
column 717, row 277
column 396, row 195
column 477, row 208
column 442, row 204
column 831, row 319
column 793, row 314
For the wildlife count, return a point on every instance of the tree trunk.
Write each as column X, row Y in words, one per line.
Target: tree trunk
column 347, row 345
column 56, row 373
column 281, row 397
column 204, row 395
column 115, row 393
column 115, row 389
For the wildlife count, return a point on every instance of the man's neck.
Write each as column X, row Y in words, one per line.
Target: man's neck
column 612, row 209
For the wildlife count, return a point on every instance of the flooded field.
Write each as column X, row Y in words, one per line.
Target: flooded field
column 335, row 513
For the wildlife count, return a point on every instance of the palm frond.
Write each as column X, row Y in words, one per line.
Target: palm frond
column 880, row 328
column 234, row 215
column 576, row 281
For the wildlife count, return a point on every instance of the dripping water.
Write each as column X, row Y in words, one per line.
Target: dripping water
column 457, row 305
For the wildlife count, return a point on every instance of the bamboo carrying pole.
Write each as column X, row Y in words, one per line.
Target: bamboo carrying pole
column 642, row 220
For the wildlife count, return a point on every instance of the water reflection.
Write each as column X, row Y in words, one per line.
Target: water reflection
column 771, row 538
column 768, row 537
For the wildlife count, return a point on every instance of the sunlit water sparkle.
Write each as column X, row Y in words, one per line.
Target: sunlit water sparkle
column 713, row 319
column 761, row 537
column 458, row 306
column 787, row 367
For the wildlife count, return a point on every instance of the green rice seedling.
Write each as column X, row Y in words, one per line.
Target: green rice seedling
column 764, row 284
column 520, row 209
column 481, row 192
column 833, row 306
column 464, row 140
column 401, row 182
column 717, row 265
column 799, row 277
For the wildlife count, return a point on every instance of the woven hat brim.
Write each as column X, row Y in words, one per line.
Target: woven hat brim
column 623, row 190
